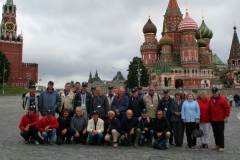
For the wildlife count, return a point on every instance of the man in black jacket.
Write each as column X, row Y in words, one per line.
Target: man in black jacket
column 136, row 104
column 64, row 130
column 236, row 99
column 112, row 128
column 100, row 104
column 161, row 127
column 145, row 123
column 165, row 106
column 130, row 129
column 82, row 99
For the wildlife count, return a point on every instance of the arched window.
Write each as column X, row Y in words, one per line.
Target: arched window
column 176, row 71
column 192, row 71
column 233, row 63
column 195, row 71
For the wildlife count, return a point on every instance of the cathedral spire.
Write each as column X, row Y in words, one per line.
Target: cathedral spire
column 235, row 39
column 9, row 2
column 173, row 7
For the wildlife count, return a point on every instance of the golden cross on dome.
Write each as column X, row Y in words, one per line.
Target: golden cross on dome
column 202, row 14
column 187, row 6
column 149, row 13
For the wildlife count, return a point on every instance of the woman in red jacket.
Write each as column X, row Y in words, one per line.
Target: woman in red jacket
column 204, row 124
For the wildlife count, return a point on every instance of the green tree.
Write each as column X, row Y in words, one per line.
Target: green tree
column 31, row 82
column 132, row 77
column 4, row 60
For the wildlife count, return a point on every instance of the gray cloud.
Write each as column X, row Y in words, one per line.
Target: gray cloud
column 70, row 38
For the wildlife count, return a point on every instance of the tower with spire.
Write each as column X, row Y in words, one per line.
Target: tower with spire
column 234, row 60
column 182, row 58
column 11, row 45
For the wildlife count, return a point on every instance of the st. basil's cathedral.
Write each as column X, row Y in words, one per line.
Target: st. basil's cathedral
column 182, row 58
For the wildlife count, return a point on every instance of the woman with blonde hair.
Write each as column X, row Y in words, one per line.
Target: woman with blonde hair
column 204, row 124
column 191, row 117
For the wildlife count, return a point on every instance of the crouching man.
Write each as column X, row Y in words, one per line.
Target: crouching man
column 79, row 127
column 47, row 126
column 64, row 130
column 130, row 129
column 161, row 127
column 112, row 129
column 29, row 125
column 95, row 129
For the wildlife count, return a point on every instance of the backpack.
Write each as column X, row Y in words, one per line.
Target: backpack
column 160, row 143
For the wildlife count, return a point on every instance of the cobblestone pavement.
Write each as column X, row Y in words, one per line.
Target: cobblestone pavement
column 12, row 145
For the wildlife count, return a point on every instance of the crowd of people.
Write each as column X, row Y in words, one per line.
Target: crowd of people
column 95, row 118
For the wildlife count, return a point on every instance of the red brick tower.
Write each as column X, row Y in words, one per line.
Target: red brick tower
column 11, row 44
column 172, row 19
column 149, row 49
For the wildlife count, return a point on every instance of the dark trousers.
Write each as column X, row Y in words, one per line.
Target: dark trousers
column 171, row 136
column 82, row 138
column 32, row 132
column 190, row 127
column 178, row 132
column 61, row 138
column 218, row 132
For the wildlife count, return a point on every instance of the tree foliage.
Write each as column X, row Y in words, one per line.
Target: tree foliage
column 4, row 60
column 132, row 78
column 31, row 82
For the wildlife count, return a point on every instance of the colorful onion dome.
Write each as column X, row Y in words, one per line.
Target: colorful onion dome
column 149, row 27
column 201, row 42
column 188, row 24
column 205, row 31
column 165, row 40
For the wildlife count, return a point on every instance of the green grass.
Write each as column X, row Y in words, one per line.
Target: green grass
column 8, row 90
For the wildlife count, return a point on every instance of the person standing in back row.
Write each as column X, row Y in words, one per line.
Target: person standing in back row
column 49, row 100
column 83, row 99
column 236, row 99
column 151, row 101
column 220, row 111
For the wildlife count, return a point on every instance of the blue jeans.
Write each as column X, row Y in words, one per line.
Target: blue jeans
column 33, row 133
column 147, row 135
column 237, row 103
column 96, row 138
column 48, row 136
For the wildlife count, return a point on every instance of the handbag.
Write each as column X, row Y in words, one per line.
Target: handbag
column 197, row 132
column 160, row 143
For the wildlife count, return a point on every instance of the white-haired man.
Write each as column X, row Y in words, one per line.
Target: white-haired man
column 112, row 128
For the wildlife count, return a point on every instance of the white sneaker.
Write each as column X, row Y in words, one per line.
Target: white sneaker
column 36, row 143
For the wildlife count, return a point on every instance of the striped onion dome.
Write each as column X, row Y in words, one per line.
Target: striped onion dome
column 201, row 42
column 205, row 31
column 188, row 24
column 149, row 27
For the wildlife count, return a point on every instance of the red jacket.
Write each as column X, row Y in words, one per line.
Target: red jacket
column 204, row 111
column 220, row 109
column 52, row 123
column 26, row 120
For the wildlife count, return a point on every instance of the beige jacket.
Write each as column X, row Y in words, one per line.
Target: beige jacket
column 99, row 127
column 151, row 104
column 26, row 102
column 66, row 101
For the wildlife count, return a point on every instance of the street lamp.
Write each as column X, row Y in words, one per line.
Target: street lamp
column 40, row 79
column 139, row 73
column 4, row 70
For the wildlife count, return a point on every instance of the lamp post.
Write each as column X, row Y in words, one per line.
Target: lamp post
column 4, row 70
column 139, row 73
column 40, row 79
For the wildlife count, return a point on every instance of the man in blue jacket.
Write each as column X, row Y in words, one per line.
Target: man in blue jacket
column 120, row 104
column 49, row 100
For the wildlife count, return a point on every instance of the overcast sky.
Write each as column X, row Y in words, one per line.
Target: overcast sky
column 70, row 38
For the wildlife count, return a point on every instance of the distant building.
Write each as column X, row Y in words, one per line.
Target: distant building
column 11, row 44
column 117, row 81
column 182, row 58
